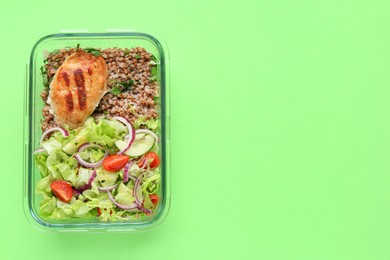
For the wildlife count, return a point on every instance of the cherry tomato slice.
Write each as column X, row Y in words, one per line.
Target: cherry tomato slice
column 154, row 199
column 115, row 162
column 152, row 157
column 62, row 190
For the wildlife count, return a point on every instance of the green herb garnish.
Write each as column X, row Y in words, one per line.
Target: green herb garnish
column 153, row 58
column 153, row 74
column 153, row 71
column 137, row 56
column 115, row 91
column 78, row 47
column 156, row 100
column 93, row 51
column 43, row 70
column 44, row 77
column 121, row 87
column 127, row 84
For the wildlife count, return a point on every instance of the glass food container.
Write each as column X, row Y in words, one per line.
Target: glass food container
column 33, row 118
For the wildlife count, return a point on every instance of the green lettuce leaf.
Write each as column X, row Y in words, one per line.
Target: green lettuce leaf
column 51, row 145
column 82, row 177
column 80, row 208
column 106, row 132
column 62, row 166
column 151, row 183
column 124, row 195
column 152, row 124
column 43, row 185
column 47, row 206
column 92, row 154
column 40, row 160
column 147, row 202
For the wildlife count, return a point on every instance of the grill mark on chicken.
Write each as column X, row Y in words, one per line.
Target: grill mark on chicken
column 66, row 78
column 69, row 101
column 68, row 96
column 89, row 71
column 81, row 94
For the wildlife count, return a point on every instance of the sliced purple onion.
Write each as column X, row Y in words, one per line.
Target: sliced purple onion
column 89, row 184
column 131, row 135
column 149, row 132
column 136, row 188
column 87, row 164
column 76, row 191
column 132, row 206
column 39, row 150
column 126, row 174
column 145, row 210
column 62, row 130
column 107, row 188
column 85, row 146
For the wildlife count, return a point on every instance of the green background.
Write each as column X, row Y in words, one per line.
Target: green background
column 280, row 128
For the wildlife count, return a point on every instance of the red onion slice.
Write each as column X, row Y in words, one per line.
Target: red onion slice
column 85, row 146
column 87, row 164
column 136, row 188
column 62, row 130
column 149, row 132
column 131, row 135
column 145, row 210
column 107, row 188
column 39, row 150
column 126, row 174
column 133, row 206
column 76, row 191
column 89, row 184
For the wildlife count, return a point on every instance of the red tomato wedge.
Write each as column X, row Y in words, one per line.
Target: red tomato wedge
column 62, row 190
column 152, row 157
column 115, row 162
column 154, row 199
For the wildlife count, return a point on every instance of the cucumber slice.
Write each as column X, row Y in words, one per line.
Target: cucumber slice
column 105, row 178
column 82, row 137
column 141, row 145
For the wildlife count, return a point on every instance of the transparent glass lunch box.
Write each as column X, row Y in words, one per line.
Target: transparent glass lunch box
column 33, row 132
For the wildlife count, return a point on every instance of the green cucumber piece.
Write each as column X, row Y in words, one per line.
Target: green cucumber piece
column 82, row 137
column 105, row 178
column 141, row 145
column 71, row 147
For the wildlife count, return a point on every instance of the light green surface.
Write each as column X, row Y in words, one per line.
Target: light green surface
column 280, row 129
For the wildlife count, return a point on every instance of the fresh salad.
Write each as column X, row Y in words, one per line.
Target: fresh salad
column 106, row 169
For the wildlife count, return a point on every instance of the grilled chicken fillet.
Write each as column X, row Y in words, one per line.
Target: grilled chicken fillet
column 77, row 88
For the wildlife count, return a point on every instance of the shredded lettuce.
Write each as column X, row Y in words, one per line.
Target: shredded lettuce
column 40, row 160
column 58, row 163
column 152, row 124
column 106, row 132
column 92, row 154
column 125, row 195
column 82, row 177
column 105, row 178
column 61, row 166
